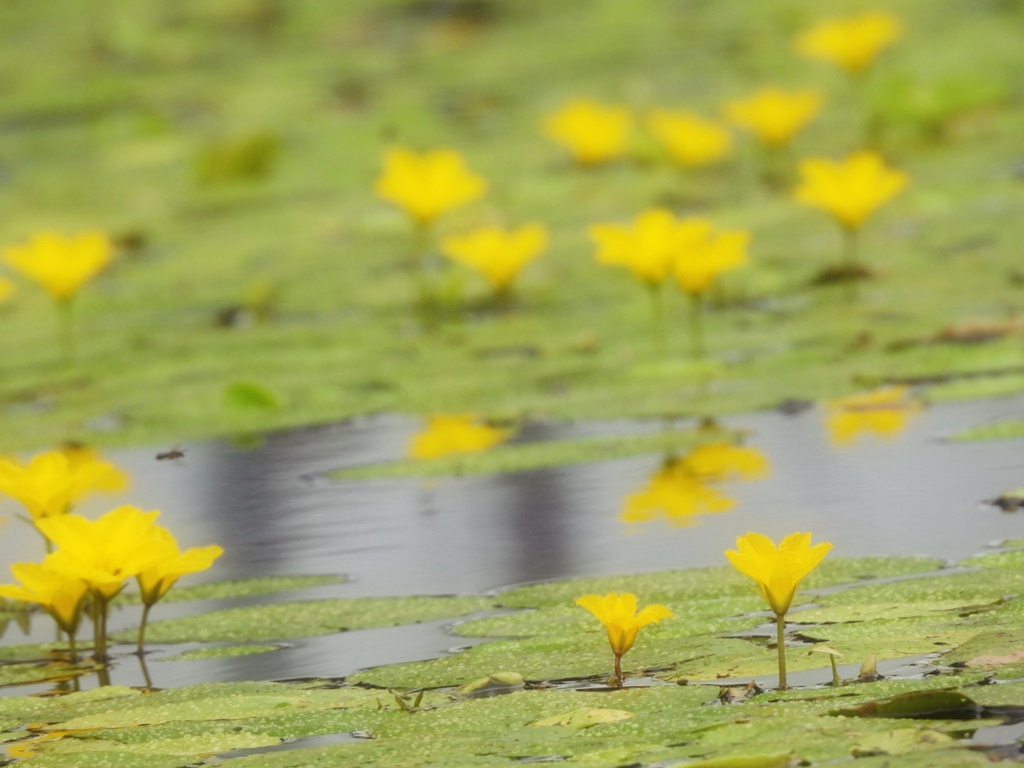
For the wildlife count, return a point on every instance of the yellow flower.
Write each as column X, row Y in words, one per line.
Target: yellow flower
column 777, row 570
column 648, row 247
column 773, row 115
column 884, row 412
column 61, row 264
column 704, row 254
column 851, row 42
column 677, row 493
column 53, row 482
column 454, row 433
column 60, row 595
column 497, row 254
column 592, row 132
column 618, row 614
column 172, row 564
column 6, row 289
column 849, row 189
column 103, row 553
column 689, row 139
column 429, row 184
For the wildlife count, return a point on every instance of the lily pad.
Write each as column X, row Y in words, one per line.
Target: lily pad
column 282, row 621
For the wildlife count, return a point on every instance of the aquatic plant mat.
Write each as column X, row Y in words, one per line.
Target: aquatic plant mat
column 949, row 644
column 230, row 148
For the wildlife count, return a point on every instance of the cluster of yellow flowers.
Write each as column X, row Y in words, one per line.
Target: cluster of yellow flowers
column 775, row 570
column 89, row 562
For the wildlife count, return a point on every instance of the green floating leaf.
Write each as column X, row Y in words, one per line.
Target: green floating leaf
column 248, row 394
column 986, row 649
column 525, row 456
column 282, row 621
column 585, row 717
column 924, row 705
column 499, row 682
column 900, row 741
column 747, row 761
column 221, row 652
column 1003, row 430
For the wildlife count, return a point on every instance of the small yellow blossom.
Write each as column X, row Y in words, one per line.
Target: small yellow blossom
column 689, row 139
column 593, row 132
column 51, row 483
column 850, row 189
column 155, row 581
column 773, row 115
column 777, row 570
column 429, row 184
column 884, row 412
column 60, row 595
column 648, row 247
column 106, row 552
column 704, row 254
column 451, row 434
column 172, row 564
column 618, row 614
column 850, row 42
column 60, row 264
column 6, row 289
column 497, row 254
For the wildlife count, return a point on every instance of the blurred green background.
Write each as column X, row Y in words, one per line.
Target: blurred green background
column 230, row 148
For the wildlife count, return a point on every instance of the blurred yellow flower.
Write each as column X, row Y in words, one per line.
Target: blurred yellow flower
column 850, row 189
column 60, row 264
column 720, row 461
column 53, row 482
column 850, row 42
column 648, row 247
column 497, row 254
column 682, row 487
column 676, row 493
column 689, row 139
column 773, row 115
column 106, row 552
column 429, row 184
column 884, row 412
column 6, row 289
column 777, row 571
column 592, row 132
column 704, row 254
column 59, row 595
column 618, row 614
column 172, row 564
column 451, row 434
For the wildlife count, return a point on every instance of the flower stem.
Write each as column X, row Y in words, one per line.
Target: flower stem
column 658, row 318
column 780, row 635
column 618, row 670
column 697, row 325
column 142, row 628
column 66, row 330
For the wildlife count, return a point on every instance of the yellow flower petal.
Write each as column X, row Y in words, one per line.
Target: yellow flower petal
column 61, row 264
column 498, row 255
column 592, row 132
column 850, row 189
column 851, row 42
column 617, row 611
column 429, row 184
column 689, row 139
column 777, row 570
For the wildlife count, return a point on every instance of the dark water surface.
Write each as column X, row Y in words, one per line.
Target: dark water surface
column 275, row 512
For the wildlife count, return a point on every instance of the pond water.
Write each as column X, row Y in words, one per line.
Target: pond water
column 276, row 512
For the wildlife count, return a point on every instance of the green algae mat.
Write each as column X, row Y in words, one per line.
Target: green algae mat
column 230, row 149
column 535, row 691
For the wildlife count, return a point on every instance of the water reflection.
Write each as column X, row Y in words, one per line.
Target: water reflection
column 451, row 434
column 884, row 412
column 276, row 514
column 683, row 487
